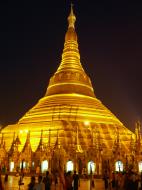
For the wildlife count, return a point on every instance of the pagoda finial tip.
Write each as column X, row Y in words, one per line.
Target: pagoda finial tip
column 71, row 7
column 71, row 17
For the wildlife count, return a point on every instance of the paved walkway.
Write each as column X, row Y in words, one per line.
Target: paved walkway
column 12, row 184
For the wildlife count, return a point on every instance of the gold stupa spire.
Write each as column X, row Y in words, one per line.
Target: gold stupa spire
column 70, row 76
column 71, row 18
column 70, row 56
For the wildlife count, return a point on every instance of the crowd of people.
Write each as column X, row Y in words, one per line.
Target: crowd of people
column 71, row 181
column 123, row 181
column 68, row 181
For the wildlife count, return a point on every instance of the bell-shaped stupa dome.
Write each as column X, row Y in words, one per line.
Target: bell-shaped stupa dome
column 70, row 103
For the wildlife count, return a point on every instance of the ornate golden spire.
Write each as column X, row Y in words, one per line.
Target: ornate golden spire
column 70, row 76
column 40, row 145
column 71, row 18
column 71, row 56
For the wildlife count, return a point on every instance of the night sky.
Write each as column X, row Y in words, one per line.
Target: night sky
column 110, row 43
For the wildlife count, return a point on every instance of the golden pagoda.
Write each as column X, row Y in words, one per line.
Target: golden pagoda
column 69, row 123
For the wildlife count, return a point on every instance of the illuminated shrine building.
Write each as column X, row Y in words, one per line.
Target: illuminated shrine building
column 69, row 127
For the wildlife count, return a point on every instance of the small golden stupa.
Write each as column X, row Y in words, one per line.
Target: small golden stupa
column 68, row 118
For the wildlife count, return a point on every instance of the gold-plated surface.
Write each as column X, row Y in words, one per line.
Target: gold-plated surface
column 69, row 111
column 70, row 76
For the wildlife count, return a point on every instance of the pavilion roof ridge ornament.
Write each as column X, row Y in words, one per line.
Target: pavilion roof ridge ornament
column 27, row 139
column 11, row 150
column 138, row 130
column 132, row 144
column 40, row 145
column 17, row 140
column 27, row 144
column 41, row 137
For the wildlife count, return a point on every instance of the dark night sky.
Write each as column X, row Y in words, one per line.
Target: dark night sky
column 110, row 44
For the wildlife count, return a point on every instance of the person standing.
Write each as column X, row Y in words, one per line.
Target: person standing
column 40, row 185
column 47, row 181
column 68, row 181
column 32, row 183
column 75, row 181
column 1, row 185
column 105, row 178
column 113, row 182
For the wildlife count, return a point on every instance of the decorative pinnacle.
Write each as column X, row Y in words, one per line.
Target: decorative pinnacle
column 71, row 18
